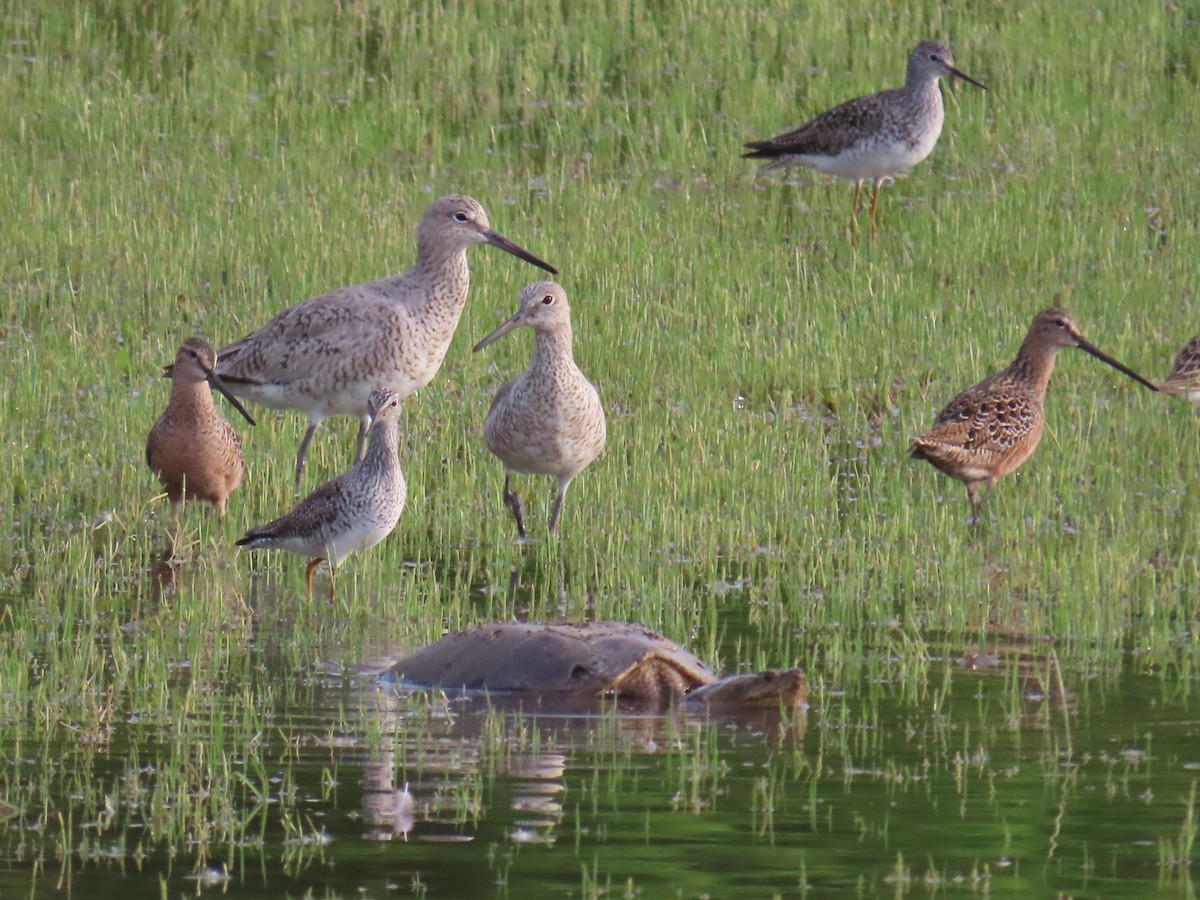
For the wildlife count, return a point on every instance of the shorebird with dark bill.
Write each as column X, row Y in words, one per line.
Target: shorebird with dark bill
column 1184, row 380
column 548, row 420
column 191, row 448
column 326, row 355
column 875, row 137
column 990, row 429
column 352, row 512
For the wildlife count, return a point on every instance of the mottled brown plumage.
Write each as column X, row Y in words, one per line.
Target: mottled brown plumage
column 196, row 453
column 349, row 513
column 326, row 355
column 872, row 137
column 549, row 419
column 1184, row 380
column 990, row 429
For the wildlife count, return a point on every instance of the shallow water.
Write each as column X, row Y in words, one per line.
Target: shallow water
column 990, row 770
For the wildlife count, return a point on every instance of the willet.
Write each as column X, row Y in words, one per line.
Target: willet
column 325, row 356
column 548, row 420
column 872, row 137
column 349, row 513
column 191, row 448
column 990, row 429
column 1184, row 380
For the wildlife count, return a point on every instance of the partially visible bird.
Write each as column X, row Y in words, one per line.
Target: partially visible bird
column 191, row 448
column 874, row 137
column 352, row 512
column 326, row 355
column 547, row 420
column 1184, row 380
column 990, row 429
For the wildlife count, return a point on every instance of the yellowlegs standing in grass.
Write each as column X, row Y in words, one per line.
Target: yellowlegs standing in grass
column 349, row 513
column 1184, row 380
column 548, row 420
column 874, row 137
column 990, row 429
column 325, row 356
column 191, row 448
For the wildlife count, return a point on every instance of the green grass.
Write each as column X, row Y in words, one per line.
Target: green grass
column 194, row 169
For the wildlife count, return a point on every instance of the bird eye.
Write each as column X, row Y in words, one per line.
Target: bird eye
column 460, row 217
column 548, row 300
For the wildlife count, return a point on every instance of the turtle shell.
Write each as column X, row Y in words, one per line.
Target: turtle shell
column 588, row 659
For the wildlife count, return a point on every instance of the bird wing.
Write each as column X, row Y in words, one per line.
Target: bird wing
column 828, row 134
column 322, row 505
column 505, row 390
column 985, row 421
column 309, row 335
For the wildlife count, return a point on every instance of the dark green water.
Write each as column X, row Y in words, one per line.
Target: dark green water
column 991, row 772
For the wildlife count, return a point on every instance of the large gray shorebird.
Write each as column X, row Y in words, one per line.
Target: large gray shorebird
column 548, row 420
column 326, row 355
column 349, row 513
column 874, row 137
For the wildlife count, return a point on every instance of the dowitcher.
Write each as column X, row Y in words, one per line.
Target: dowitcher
column 1184, row 380
column 191, row 448
column 548, row 420
column 325, row 356
column 874, row 137
column 990, row 429
column 352, row 512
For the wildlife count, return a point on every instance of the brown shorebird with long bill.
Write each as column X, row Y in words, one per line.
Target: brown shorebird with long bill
column 1184, row 380
column 352, row 512
column 874, row 137
column 191, row 448
column 325, row 356
column 990, row 429
column 548, row 420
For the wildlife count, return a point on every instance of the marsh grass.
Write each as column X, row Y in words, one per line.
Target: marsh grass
column 172, row 170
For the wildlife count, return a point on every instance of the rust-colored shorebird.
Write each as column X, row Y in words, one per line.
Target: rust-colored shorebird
column 548, row 420
column 325, row 356
column 874, row 137
column 191, row 448
column 352, row 512
column 1184, row 380
column 990, row 429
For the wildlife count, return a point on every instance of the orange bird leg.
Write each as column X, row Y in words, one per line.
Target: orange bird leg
column 308, row 574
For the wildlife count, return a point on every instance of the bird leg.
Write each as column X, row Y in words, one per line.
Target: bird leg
column 303, row 451
column 875, row 205
column 975, row 500
column 513, row 501
column 308, row 575
column 558, row 502
column 854, row 215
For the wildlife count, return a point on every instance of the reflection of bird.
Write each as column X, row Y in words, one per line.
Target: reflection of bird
column 191, row 448
column 1184, row 380
column 548, row 420
column 874, row 137
column 352, row 512
column 323, row 357
column 990, row 429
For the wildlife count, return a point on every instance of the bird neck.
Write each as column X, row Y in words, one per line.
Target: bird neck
column 383, row 443
column 444, row 279
column 552, row 350
column 1033, row 365
column 437, row 262
column 191, row 395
